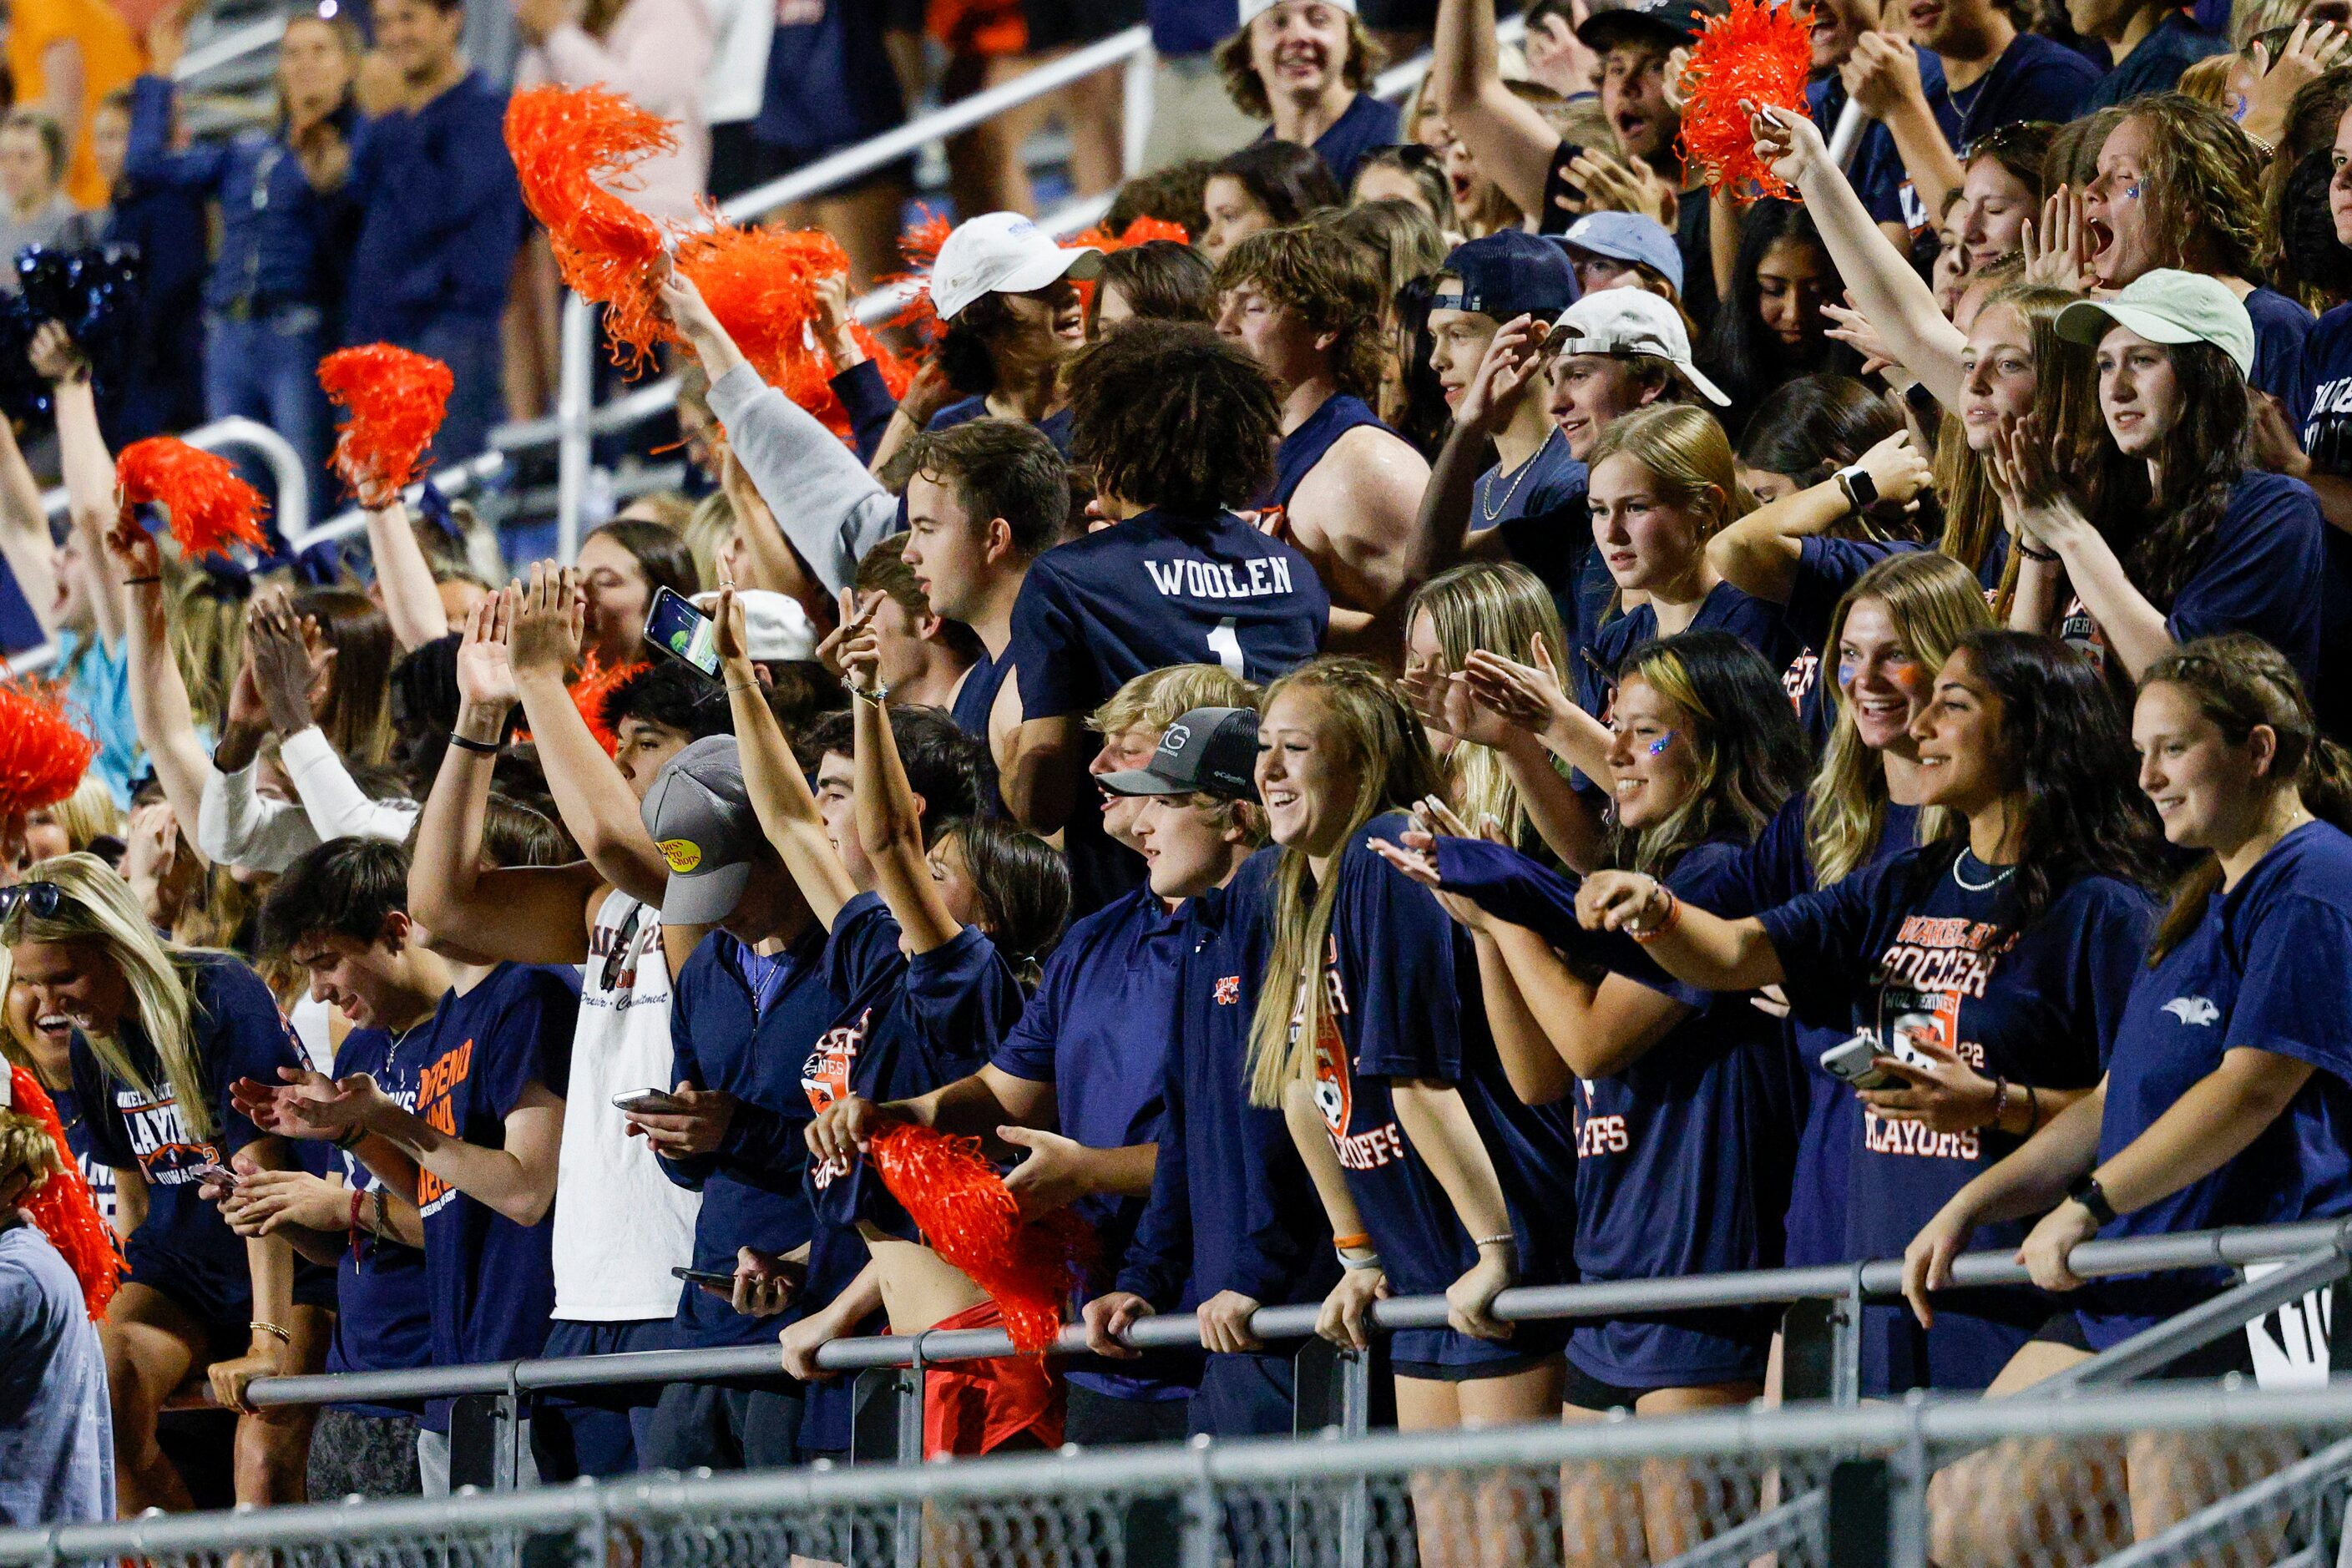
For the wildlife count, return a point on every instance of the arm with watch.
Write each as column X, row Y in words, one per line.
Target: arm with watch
column 1760, row 553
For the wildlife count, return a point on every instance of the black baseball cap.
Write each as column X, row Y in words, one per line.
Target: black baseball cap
column 1508, row 273
column 1208, row 751
column 1673, row 23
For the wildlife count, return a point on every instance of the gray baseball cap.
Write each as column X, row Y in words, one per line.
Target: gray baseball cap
column 700, row 817
column 1208, row 751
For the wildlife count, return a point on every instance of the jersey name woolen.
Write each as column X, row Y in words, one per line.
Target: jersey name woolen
column 1259, row 577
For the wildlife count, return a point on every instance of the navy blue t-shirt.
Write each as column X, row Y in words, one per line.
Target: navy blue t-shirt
column 1539, row 508
column 1876, row 169
column 1315, row 435
column 1231, row 1205
column 2269, row 968
column 383, row 1314
column 2282, row 330
column 1912, row 944
column 1366, row 124
column 829, row 83
column 2262, row 572
column 183, row 1247
column 1158, row 590
column 1758, row 623
column 1055, row 425
column 1190, row 26
column 2035, row 79
column 1098, row 1030
column 1683, row 1163
column 490, row 1282
column 1402, row 979
column 2322, row 406
column 976, row 698
column 20, row 627
column 95, row 1172
column 746, row 1023
column 2156, row 65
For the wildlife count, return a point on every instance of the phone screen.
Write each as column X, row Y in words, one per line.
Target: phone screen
column 680, row 630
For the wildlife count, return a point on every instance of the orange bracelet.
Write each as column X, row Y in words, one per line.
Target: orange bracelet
column 1665, row 921
column 1345, row 1243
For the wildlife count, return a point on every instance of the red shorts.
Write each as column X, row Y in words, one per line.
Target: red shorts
column 974, row 1407
column 985, row 27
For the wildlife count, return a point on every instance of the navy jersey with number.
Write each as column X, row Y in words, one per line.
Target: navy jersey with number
column 1402, row 983
column 183, row 1247
column 1912, row 947
column 2269, row 968
column 490, row 1282
column 1158, row 590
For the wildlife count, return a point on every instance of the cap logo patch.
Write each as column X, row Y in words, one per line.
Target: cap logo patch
column 683, row 854
column 1178, row 737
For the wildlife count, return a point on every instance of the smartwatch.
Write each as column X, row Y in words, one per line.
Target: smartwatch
column 2085, row 1190
column 1860, row 489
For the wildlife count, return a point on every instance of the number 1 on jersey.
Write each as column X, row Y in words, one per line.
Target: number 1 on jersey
column 1227, row 646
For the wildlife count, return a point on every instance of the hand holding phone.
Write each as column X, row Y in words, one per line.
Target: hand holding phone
column 678, row 630
column 648, row 1102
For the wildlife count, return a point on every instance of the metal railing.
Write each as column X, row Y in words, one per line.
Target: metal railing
column 1864, row 1475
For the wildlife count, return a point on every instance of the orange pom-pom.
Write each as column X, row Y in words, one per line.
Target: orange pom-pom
column 966, row 1216
column 761, row 285
column 42, row 755
column 63, row 1208
column 919, row 246
column 573, row 146
column 211, row 509
column 1759, row 54
column 396, row 400
column 589, row 691
column 1138, row 231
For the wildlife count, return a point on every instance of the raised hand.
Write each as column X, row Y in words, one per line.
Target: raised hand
column 2058, row 252
column 1898, row 471
column 831, row 297
column 54, row 357
column 1787, row 143
column 729, row 639
column 2312, row 50
column 1851, row 327
column 543, row 634
column 1882, row 71
column 1513, row 359
column 291, row 676
column 1531, row 695
column 1611, row 183
column 853, row 622
column 485, row 678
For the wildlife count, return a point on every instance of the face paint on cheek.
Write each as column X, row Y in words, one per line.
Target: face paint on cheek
column 1658, row 747
column 1844, row 674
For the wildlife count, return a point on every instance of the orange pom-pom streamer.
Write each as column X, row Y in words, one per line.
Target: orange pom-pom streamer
column 590, row 690
column 211, row 509
column 42, row 755
column 1760, row 54
column 63, row 1208
column 571, row 146
column 955, row 1195
column 1138, row 231
column 396, row 401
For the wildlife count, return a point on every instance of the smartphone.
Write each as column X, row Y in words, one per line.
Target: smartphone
column 648, row 1102
column 709, row 1279
column 681, row 631
column 1855, row 1061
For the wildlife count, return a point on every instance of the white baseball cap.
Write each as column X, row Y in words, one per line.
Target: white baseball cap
column 1630, row 321
column 1253, row 9
column 775, row 625
column 1002, row 252
column 2167, row 306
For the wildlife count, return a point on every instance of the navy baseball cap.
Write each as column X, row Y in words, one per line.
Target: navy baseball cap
column 1628, row 237
column 1208, row 751
column 1507, row 273
column 1670, row 23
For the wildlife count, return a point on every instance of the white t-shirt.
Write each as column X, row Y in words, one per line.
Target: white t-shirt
column 620, row 1224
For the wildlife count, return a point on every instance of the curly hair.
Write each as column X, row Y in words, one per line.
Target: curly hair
column 1247, row 89
column 1333, row 284
column 2204, row 179
column 1167, row 413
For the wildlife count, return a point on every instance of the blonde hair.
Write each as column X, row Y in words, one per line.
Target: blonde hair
column 87, row 814
column 1934, row 602
column 1690, row 459
column 98, row 908
column 26, row 1145
column 706, row 532
column 1157, row 698
column 1504, row 608
column 1380, row 743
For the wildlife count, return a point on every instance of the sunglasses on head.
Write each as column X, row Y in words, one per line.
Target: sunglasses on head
column 42, row 899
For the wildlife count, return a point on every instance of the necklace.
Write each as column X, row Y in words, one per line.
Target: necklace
column 1998, row 877
column 1525, row 470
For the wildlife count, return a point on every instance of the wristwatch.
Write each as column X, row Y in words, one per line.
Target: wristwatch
column 2086, row 1191
column 1860, row 489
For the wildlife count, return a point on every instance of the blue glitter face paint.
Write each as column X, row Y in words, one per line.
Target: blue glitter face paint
column 1658, row 747
column 1845, row 674
column 2131, row 193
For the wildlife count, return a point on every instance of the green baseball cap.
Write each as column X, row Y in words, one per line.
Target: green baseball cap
column 2168, row 306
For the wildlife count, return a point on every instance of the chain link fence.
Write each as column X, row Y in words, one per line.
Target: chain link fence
column 2218, row 1475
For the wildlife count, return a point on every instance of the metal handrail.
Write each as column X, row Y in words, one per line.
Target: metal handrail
column 1755, row 1288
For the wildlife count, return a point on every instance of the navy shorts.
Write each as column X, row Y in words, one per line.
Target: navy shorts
column 1245, row 1396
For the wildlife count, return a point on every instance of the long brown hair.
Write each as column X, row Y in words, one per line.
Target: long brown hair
column 2163, row 538
column 357, row 718
column 2240, row 682
column 1381, row 744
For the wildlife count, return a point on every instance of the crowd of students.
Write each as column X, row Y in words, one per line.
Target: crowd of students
column 1388, row 752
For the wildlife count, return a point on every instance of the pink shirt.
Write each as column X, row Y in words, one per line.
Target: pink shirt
column 655, row 54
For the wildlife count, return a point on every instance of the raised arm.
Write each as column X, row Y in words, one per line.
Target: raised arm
column 543, row 629
column 779, row 791
column 88, row 468
column 1879, row 277
column 412, row 600
column 1689, row 943
column 889, row 816
column 1759, row 554
column 159, row 696
column 1514, row 144
column 24, row 542
column 528, row 914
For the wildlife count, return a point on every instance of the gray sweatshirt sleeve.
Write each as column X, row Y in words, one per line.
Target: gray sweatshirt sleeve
column 830, row 509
